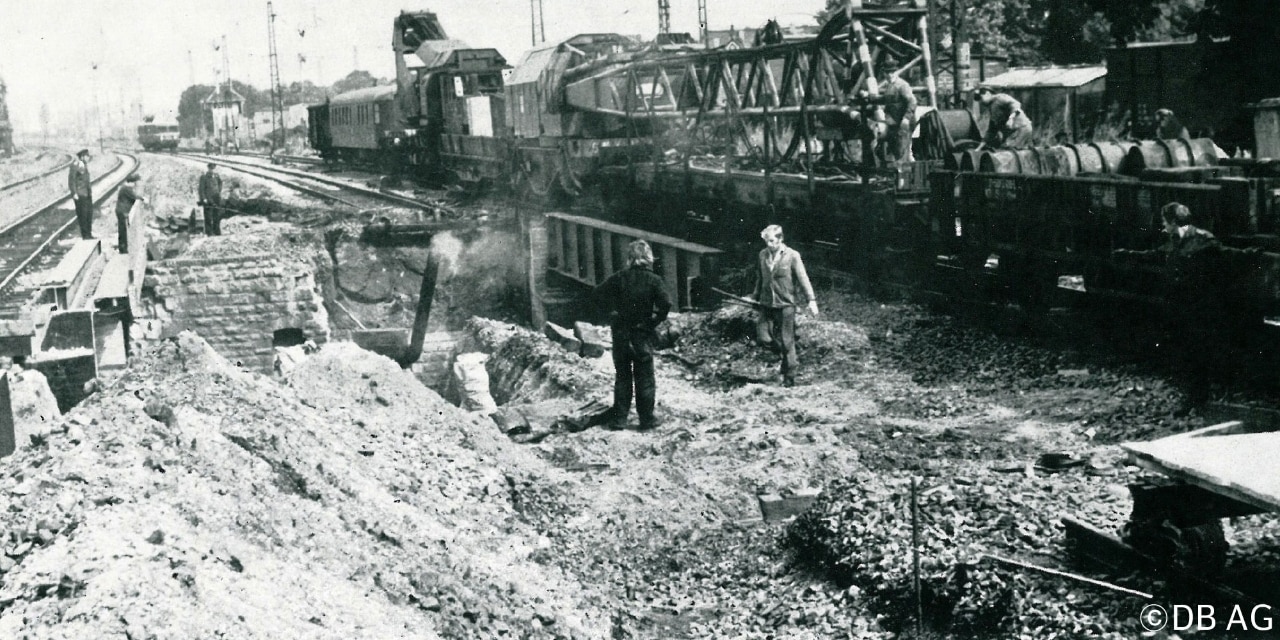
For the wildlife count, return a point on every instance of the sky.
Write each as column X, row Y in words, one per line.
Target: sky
column 124, row 53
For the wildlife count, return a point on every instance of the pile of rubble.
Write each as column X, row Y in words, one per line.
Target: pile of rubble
column 193, row 499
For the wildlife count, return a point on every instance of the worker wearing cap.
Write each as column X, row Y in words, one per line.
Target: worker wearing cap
column 637, row 302
column 900, row 112
column 80, row 186
column 211, row 200
column 780, row 272
column 1008, row 126
column 124, row 203
column 1168, row 127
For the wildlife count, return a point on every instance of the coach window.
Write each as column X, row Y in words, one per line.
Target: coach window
column 377, row 115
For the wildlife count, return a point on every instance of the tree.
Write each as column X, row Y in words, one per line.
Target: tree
column 194, row 121
column 304, row 92
column 356, row 80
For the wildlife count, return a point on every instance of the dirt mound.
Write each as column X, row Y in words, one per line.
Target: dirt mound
column 193, row 499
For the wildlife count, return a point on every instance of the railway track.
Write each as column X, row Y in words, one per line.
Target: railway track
column 29, row 179
column 31, row 243
column 290, row 178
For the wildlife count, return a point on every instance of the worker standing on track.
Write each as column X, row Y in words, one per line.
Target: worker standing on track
column 637, row 304
column 124, row 204
column 80, row 185
column 780, row 271
column 211, row 200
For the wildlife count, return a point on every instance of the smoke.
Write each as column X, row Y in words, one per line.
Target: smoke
column 448, row 249
column 480, row 274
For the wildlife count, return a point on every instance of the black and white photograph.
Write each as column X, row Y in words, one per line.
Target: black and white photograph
column 639, row 319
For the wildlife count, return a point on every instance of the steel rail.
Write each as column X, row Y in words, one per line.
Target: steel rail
column 113, row 177
column 364, row 191
column 60, row 167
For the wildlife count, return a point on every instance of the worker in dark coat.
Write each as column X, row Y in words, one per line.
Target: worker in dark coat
column 900, row 113
column 637, row 304
column 124, row 204
column 1169, row 127
column 1192, row 259
column 1008, row 127
column 211, row 200
column 80, row 186
column 780, row 272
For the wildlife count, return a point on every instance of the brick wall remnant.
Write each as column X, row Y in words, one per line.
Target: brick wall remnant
column 236, row 303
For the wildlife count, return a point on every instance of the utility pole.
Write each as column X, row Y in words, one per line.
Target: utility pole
column 957, row 71
column 536, row 24
column 664, row 16
column 191, row 70
column 702, row 20
column 226, row 95
column 97, row 112
column 277, row 97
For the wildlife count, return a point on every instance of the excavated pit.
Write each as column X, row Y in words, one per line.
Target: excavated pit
column 284, row 267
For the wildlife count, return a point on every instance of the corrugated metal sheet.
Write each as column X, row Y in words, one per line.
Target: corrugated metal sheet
column 1031, row 77
column 370, row 94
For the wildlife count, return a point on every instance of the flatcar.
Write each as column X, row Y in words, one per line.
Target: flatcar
column 155, row 136
column 713, row 144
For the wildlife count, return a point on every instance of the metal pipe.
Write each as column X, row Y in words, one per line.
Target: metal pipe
column 423, row 314
column 915, row 554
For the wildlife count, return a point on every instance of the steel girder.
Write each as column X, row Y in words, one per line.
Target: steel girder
column 765, row 94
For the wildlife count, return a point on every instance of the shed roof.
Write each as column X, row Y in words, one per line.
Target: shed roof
column 1034, row 77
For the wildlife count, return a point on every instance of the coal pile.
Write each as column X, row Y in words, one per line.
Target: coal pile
column 859, row 536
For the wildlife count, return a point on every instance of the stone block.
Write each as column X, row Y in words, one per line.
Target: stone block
column 562, row 337
column 775, row 507
column 592, row 339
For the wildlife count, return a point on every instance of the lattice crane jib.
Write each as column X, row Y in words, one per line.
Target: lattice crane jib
column 772, row 97
column 277, row 94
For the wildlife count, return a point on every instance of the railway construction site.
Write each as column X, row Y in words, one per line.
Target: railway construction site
column 365, row 391
column 253, row 472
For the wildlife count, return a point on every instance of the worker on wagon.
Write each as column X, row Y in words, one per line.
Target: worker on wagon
column 1169, row 127
column 779, row 272
column 637, row 304
column 124, row 204
column 900, row 113
column 211, row 200
column 1008, row 127
column 80, row 186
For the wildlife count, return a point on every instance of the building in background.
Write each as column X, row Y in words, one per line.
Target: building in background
column 230, row 127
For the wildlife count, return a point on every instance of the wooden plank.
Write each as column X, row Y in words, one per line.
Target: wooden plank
column 606, row 252
column 589, row 257
column 1240, row 466
column 571, row 268
column 670, row 276
column 555, row 247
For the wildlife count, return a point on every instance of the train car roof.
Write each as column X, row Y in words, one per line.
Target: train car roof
column 368, row 94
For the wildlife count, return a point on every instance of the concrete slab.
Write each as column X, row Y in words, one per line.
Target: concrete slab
column 1240, row 466
column 115, row 279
